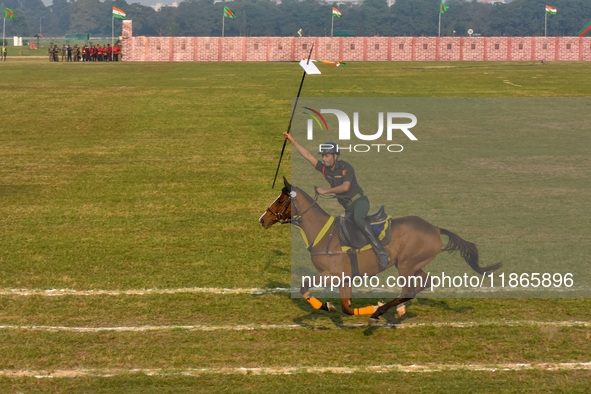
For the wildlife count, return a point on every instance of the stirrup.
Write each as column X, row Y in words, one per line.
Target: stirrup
column 383, row 259
column 382, row 255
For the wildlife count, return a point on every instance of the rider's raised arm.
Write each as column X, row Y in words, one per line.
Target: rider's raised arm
column 303, row 151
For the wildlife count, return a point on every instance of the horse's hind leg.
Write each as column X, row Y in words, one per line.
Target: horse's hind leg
column 375, row 317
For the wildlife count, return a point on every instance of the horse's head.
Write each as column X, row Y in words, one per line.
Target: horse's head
column 280, row 210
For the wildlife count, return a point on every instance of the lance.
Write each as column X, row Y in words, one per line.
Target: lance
column 308, row 69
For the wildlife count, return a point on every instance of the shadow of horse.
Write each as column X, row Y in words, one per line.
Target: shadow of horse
column 272, row 259
column 308, row 319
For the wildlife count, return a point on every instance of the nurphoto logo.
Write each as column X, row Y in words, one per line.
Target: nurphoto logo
column 395, row 123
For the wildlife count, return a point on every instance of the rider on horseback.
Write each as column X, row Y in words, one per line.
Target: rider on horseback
column 341, row 177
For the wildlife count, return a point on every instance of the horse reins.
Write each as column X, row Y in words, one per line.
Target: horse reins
column 297, row 218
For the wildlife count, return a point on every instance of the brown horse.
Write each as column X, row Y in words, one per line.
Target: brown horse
column 414, row 243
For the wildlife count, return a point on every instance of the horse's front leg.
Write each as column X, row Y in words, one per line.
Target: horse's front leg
column 346, row 296
column 316, row 304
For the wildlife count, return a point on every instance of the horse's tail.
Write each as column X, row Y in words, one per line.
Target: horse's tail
column 468, row 251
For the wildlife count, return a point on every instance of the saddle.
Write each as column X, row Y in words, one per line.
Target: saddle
column 352, row 237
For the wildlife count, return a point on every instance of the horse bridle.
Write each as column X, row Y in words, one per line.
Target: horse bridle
column 295, row 218
column 279, row 216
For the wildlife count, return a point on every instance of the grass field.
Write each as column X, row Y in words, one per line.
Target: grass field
column 144, row 183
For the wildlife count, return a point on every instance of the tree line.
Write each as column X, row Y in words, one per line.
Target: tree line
column 267, row 18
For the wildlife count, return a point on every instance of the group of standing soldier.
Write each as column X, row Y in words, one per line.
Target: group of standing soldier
column 86, row 53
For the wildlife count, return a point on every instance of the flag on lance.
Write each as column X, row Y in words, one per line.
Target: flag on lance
column 117, row 13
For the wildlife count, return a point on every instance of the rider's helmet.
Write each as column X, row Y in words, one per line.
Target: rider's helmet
column 328, row 148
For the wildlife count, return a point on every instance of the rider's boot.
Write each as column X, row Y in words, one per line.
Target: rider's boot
column 382, row 254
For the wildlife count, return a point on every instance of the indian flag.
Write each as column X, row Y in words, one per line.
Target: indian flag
column 550, row 10
column 336, row 12
column 117, row 13
column 330, row 63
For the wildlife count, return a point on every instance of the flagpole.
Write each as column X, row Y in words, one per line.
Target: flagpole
column 223, row 24
column 332, row 25
column 292, row 114
column 439, row 34
column 112, row 31
column 546, row 25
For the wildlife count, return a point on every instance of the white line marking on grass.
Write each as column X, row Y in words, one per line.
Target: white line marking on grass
column 65, row 292
column 511, row 83
column 254, row 327
column 249, row 327
column 263, row 290
column 289, row 370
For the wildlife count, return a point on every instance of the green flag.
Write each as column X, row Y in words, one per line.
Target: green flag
column 585, row 30
column 8, row 13
column 443, row 8
column 228, row 13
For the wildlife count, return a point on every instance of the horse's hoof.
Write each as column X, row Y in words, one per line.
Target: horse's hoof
column 331, row 307
column 401, row 310
column 373, row 321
